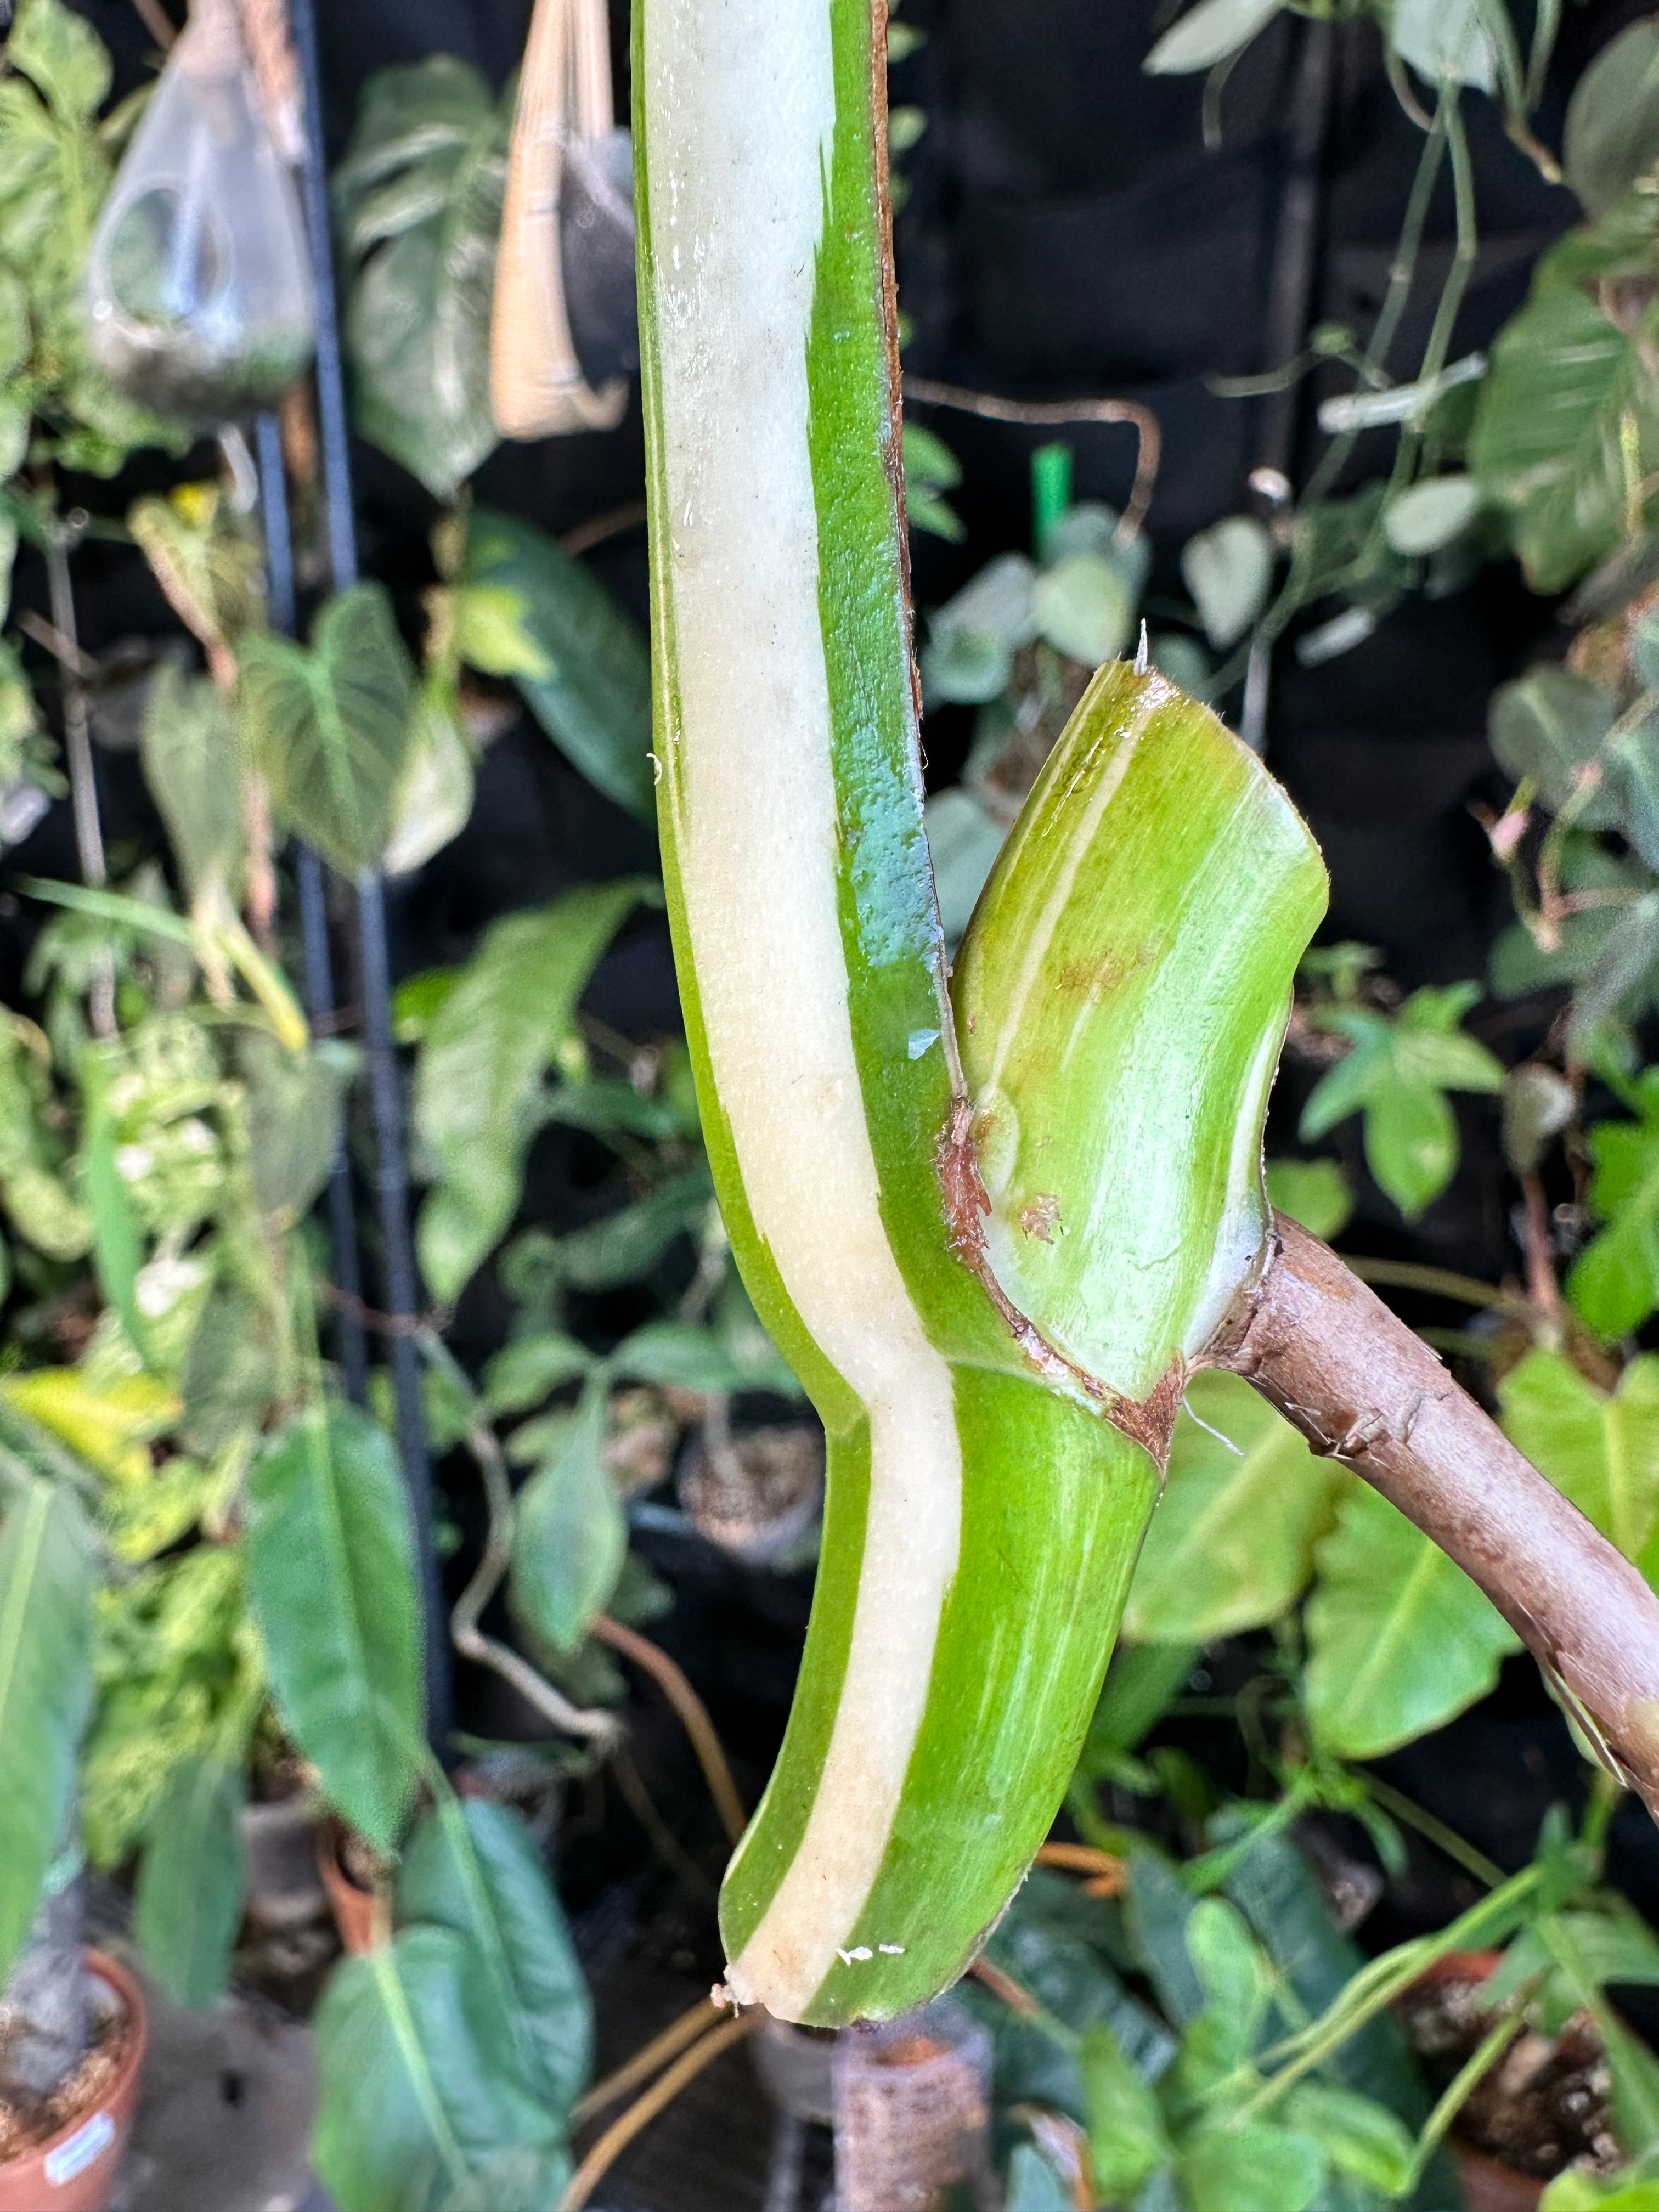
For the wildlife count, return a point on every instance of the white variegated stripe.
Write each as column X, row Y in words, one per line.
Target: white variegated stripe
column 741, row 99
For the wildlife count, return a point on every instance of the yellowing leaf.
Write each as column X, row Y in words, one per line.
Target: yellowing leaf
column 110, row 1424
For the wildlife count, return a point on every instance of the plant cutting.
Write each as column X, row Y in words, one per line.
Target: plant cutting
column 965, row 1209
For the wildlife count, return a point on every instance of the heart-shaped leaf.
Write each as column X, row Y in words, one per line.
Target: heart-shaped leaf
column 330, row 729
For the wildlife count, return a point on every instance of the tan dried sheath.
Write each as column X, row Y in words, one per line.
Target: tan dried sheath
column 536, row 387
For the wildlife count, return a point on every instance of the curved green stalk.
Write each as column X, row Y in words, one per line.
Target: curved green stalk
column 986, row 1498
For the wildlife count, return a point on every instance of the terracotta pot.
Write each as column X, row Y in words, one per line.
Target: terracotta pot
column 76, row 2170
column 1488, row 2184
column 353, row 1908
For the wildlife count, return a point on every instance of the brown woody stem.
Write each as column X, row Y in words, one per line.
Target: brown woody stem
column 1363, row 1389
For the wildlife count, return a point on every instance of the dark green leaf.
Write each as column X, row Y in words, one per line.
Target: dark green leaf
column 1613, row 119
column 330, row 728
column 474, row 1868
column 513, row 2181
column 419, row 199
column 1400, row 1640
column 418, row 2078
column 478, row 1083
column 627, row 1244
column 189, row 1901
column 231, row 1371
column 332, row 1582
column 591, row 686
column 1033, row 2184
column 1159, row 1907
column 1142, row 1682
column 45, row 1688
column 572, row 1535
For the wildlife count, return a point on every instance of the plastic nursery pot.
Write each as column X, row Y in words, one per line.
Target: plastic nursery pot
column 76, row 2170
column 284, row 1880
column 1488, row 2184
column 352, row 1906
column 912, row 2111
column 796, row 2068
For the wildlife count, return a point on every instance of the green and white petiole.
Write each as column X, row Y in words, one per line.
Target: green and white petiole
column 993, row 1317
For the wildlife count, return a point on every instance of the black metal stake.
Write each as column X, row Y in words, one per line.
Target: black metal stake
column 401, row 1283
column 318, row 955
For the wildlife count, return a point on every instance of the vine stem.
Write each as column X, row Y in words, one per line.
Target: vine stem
column 1363, row 1389
column 690, row 2027
column 692, row 1713
column 639, row 2116
column 1053, row 414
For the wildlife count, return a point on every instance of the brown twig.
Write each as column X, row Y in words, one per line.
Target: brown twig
column 1364, row 1389
column 616, row 522
column 156, row 20
column 1045, row 414
column 1104, row 1875
column 639, row 2116
column 701, row 2020
column 1005, row 1987
column 666, row 1845
column 692, row 1713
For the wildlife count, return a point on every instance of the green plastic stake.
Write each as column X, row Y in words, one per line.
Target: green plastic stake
column 986, row 1493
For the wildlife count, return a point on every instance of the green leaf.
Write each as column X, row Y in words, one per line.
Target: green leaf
column 677, row 1352
column 1614, row 1282
column 1357, row 2135
column 1142, row 1682
column 972, row 639
column 1428, row 516
column 189, row 1901
column 295, row 1102
column 1445, row 41
column 1613, row 119
column 46, row 1690
column 1599, row 1448
column 964, row 841
column 1083, row 609
column 1316, row 1193
column 418, row 199
column 478, row 1082
column 1229, row 570
column 434, row 799
column 63, row 55
column 193, row 769
column 1236, row 1980
column 333, row 1585
column 626, row 1245
column 1252, row 2167
column 330, row 729
column 1126, row 2137
column 1400, row 1640
column 473, row 1867
column 528, row 1373
column 590, row 690
column 1568, row 418
column 572, row 1534
column 1397, row 1072
column 1232, row 1544
column 1550, row 725
column 117, row 1239
column 418, row 2080
column 1207, row 34
column 512, row 2181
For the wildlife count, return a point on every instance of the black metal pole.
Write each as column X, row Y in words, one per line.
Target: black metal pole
column 318, row 955
column 1290, row 298
column 401, row 1283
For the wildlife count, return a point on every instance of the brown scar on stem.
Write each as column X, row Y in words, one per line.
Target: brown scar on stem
column 1149, row 1422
